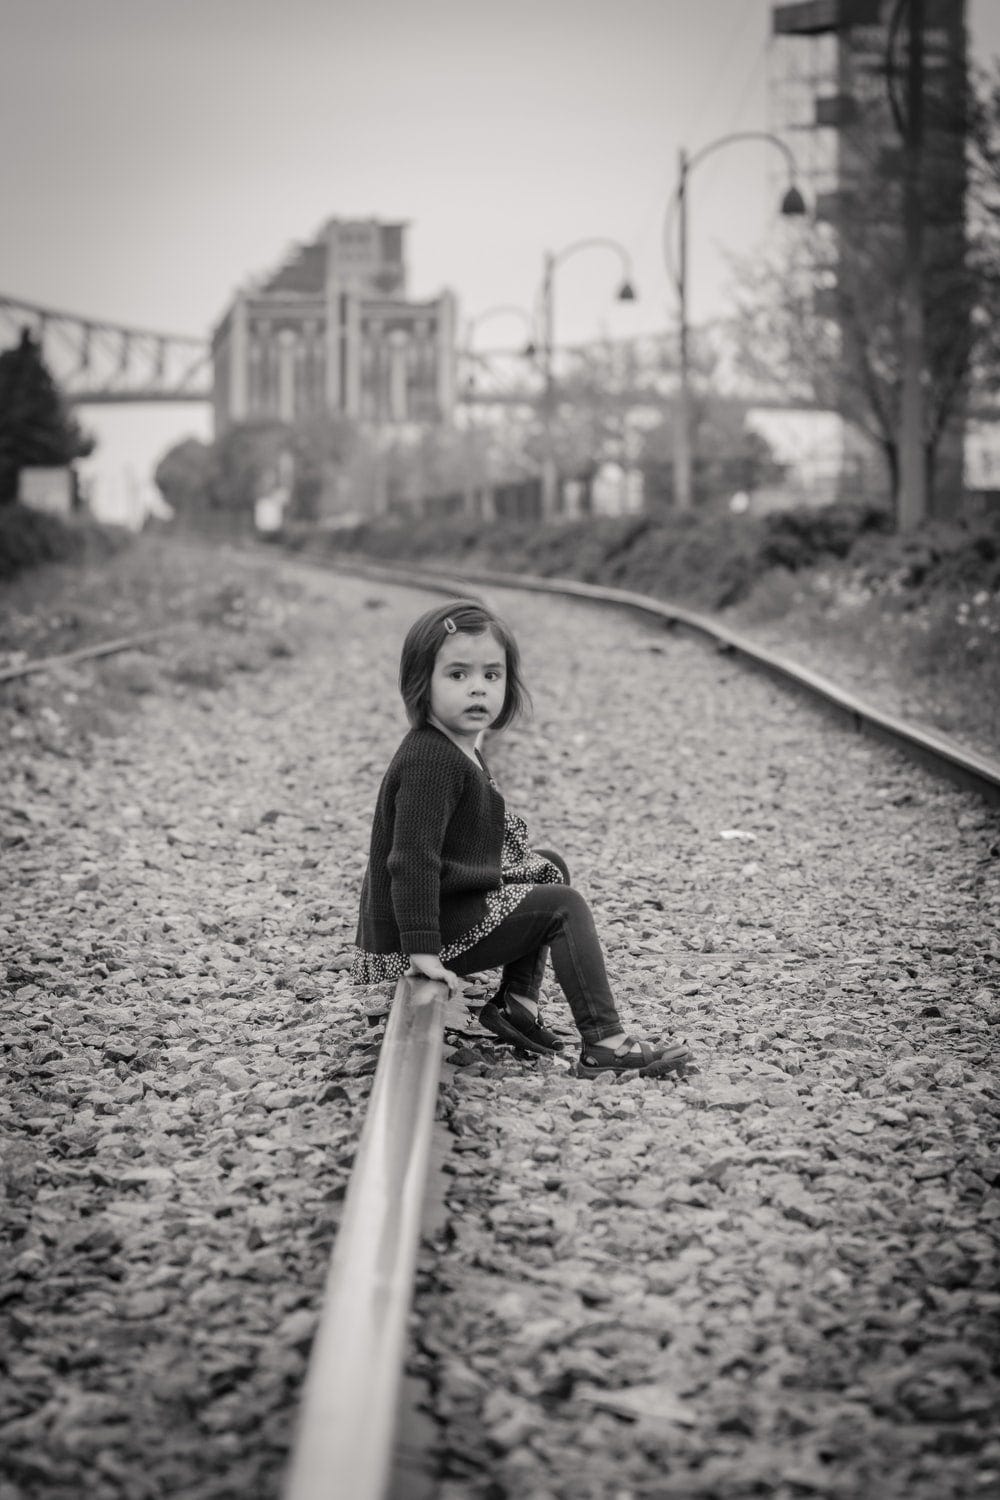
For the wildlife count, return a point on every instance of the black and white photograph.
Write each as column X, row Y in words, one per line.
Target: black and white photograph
column 499, row 750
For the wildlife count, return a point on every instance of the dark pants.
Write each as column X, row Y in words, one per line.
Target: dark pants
column 552, row 917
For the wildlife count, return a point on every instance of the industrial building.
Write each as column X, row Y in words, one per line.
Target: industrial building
column 332, row 331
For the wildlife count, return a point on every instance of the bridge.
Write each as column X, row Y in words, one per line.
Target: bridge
column 95, row 362
column 100, row 363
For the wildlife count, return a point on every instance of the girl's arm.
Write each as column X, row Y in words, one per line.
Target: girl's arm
column 428, row 793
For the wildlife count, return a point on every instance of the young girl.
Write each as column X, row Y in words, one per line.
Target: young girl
column 452, row 886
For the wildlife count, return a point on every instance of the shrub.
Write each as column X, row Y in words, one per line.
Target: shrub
column 963, row 556
column 30, row 537
column 797, row 539
column 707, row 558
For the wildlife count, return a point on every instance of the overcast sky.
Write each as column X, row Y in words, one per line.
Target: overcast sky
column 154, row 154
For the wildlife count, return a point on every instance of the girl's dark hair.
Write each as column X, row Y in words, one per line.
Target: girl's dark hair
column 424, row 640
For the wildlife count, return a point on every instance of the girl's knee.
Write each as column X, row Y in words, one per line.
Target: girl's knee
column 565, row 908
column 573, row 904
column 555, row 858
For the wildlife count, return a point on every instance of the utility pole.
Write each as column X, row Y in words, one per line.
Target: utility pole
column 682, row 426
column 913, row 499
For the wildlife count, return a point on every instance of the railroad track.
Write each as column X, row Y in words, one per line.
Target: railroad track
column 345, row 1441
column 93, row 652
column 344, row 1446
column 349, row 1405
column 936, row 753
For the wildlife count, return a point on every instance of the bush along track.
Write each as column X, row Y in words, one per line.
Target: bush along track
column 29, row 538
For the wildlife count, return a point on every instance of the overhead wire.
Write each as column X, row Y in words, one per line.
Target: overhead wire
column 751, row 11
column 750, row 82
column 655, row 207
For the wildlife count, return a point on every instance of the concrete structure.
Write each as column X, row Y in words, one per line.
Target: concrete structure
column 830, row 102
column 332, row 331
column 47, row 489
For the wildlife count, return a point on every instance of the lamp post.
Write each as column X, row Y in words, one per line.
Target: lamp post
column 626, row 293
column 505, row 309
column 792, row 204
column 502, row 309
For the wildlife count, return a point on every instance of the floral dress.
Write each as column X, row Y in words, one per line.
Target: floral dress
column 520, row 868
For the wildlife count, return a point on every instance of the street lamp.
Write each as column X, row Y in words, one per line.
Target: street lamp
column 502, row 309
column 626, row 293
column 792, row 205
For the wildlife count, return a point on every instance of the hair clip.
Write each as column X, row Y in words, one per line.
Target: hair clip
column 450, row 626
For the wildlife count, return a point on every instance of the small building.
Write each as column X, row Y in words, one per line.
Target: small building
column 52, row 489
column 332, row 331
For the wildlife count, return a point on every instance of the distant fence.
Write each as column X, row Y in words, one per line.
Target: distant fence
column 515, row 500
column 519, row 501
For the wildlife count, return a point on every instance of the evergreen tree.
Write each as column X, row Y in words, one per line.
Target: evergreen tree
column 36, row 425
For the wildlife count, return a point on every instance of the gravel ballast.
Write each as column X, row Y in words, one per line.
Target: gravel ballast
column 775, row 1277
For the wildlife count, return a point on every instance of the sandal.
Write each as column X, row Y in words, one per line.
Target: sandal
column 632, row 1057
column 513, row 1022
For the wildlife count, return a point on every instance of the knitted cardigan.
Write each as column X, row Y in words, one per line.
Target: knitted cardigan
column 436, row 846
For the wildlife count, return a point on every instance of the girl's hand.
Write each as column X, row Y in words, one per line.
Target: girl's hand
column 431, row 967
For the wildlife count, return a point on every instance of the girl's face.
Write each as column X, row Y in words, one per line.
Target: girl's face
column 468, row 685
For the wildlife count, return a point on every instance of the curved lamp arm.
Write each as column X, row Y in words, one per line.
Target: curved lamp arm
column 747, row 135
column 792, row 203
column 626, row 292
column 508, row 309
column 595, row 242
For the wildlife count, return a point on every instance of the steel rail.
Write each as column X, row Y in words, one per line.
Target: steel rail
column 344, row 1444
column 85, row 653
column 936, row 752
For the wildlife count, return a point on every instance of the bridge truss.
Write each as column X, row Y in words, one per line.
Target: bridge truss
column 101, row 363
column 98, row 363
column 631, row 371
